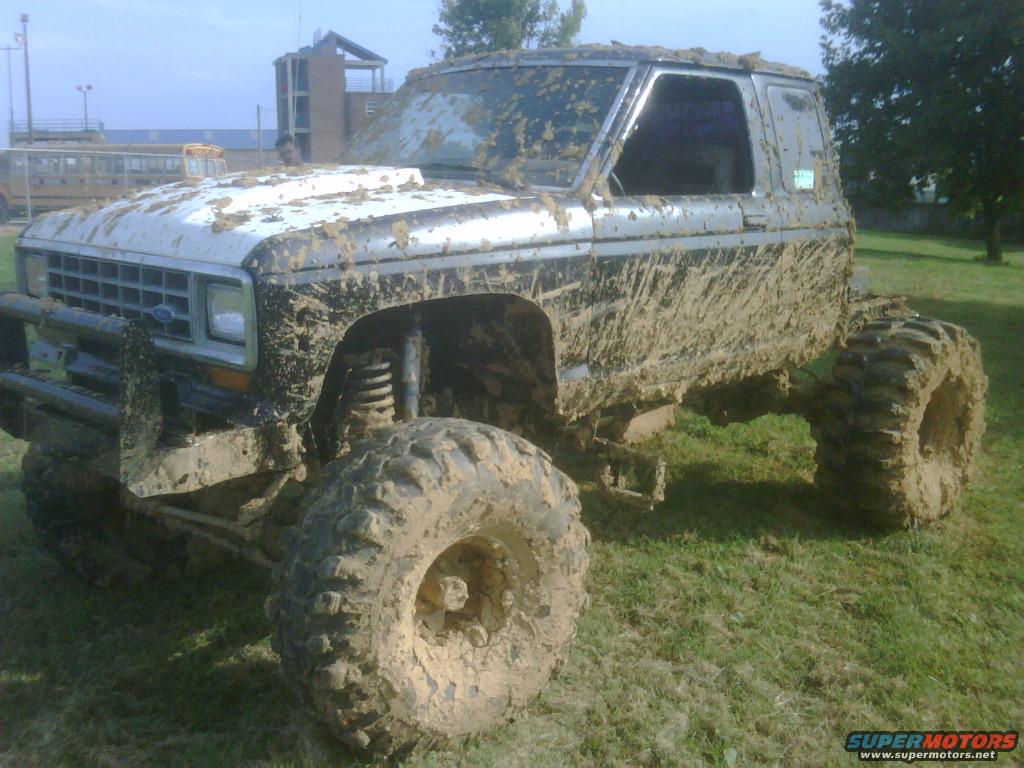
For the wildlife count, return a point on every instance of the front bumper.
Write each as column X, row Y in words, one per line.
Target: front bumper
column 121, row 433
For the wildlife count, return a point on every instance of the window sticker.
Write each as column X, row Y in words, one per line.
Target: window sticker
column 803, row 178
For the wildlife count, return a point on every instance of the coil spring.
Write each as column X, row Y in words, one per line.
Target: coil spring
column 369, row 400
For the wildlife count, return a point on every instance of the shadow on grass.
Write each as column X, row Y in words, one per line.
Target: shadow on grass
column 159, row 674
column 698, row 501
column 10, row 487
column 891, row 255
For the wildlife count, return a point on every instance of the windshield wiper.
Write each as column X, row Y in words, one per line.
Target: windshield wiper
column 483, row 173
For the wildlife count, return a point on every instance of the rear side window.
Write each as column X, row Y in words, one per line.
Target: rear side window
column 690, row 139
column 800, row 139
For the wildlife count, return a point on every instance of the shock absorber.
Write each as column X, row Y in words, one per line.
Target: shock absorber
column 412, row 368
column 368, row 402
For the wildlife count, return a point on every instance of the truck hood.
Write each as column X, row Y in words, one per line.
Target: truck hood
column 220, row 221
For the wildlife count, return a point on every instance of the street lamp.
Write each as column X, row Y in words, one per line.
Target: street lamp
column 10, row 83
column 84, row 90
column 28, row 82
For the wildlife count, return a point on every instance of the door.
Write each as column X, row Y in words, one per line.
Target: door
column 814, row 218
column 686, row 240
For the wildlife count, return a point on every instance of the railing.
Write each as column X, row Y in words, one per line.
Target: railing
column 363, row 85
column 56, row 126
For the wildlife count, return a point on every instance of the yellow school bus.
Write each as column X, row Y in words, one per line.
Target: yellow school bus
column 42, row 179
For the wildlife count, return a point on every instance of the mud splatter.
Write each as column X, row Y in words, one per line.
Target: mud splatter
column 228, row 221
column 400, row 229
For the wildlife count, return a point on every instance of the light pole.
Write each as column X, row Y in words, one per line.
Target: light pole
column 84, row 90
column 28, row 82
column 10, row 88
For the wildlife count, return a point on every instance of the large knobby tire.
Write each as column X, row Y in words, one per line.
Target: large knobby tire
column 434, row 586
column 77, row 518
column 903, row 422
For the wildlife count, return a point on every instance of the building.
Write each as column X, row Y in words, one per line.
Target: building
column 326, row 92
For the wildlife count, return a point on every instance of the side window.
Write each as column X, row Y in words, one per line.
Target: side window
column 799, row 136
column 690, row 139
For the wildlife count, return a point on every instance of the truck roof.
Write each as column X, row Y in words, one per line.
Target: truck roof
column 622, row 55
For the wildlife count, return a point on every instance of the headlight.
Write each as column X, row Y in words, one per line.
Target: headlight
column 225, row 315
column 35, row 275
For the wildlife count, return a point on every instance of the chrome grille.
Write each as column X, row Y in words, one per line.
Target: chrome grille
column 126, row 290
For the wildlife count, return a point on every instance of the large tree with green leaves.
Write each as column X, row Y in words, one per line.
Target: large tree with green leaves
column 476, row 26
column 923, row 90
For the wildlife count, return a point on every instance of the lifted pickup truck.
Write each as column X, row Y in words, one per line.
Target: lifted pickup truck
column 324, row 366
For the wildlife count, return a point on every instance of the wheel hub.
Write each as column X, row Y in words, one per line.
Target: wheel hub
column 467, row 591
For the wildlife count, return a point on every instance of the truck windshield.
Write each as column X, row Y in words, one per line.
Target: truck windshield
column 519, row 126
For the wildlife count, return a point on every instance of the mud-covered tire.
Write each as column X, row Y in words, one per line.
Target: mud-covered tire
column 77, row 519
column 902, row 422
column 373, row 626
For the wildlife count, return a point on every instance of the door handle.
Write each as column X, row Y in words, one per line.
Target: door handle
column 755, row 221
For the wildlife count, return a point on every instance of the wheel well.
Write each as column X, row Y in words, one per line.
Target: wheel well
column 490, row 358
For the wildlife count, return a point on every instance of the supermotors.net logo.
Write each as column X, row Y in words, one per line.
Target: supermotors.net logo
column 908, row 746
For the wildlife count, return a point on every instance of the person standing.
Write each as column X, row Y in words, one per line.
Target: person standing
column 287, row 151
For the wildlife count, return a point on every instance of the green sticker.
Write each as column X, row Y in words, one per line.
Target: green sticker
column 803, row 178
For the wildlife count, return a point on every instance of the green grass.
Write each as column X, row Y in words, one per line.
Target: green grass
column 737, row 624
column 7, row 236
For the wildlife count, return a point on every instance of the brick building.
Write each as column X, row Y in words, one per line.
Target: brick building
column 326, row 92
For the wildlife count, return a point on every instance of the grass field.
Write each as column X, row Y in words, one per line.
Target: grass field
column 735, row 625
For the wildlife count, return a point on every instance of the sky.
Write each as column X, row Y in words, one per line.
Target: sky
column 164, row 64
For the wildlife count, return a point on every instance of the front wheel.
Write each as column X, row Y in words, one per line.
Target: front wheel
column 78, row 519
column 903, row 421
column 434, row 586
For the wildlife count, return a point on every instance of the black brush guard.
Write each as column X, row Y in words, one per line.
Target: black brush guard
column 131, row 422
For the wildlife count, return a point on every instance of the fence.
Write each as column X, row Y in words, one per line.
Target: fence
column 56, row 126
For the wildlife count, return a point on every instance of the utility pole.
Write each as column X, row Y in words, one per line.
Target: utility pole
column 28, row 81
column 84, row 89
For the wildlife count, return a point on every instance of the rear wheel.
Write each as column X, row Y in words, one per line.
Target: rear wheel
column 434, row 586
column 903, row 421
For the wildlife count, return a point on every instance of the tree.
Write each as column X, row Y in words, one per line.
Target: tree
column 476, row 26
column 922, row 90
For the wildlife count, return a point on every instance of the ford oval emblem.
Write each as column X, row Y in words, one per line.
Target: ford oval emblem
column 162, row 313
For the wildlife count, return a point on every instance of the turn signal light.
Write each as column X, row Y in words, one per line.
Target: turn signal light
column 229, row 378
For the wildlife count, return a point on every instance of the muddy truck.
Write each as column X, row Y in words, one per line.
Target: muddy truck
column 342, row 372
